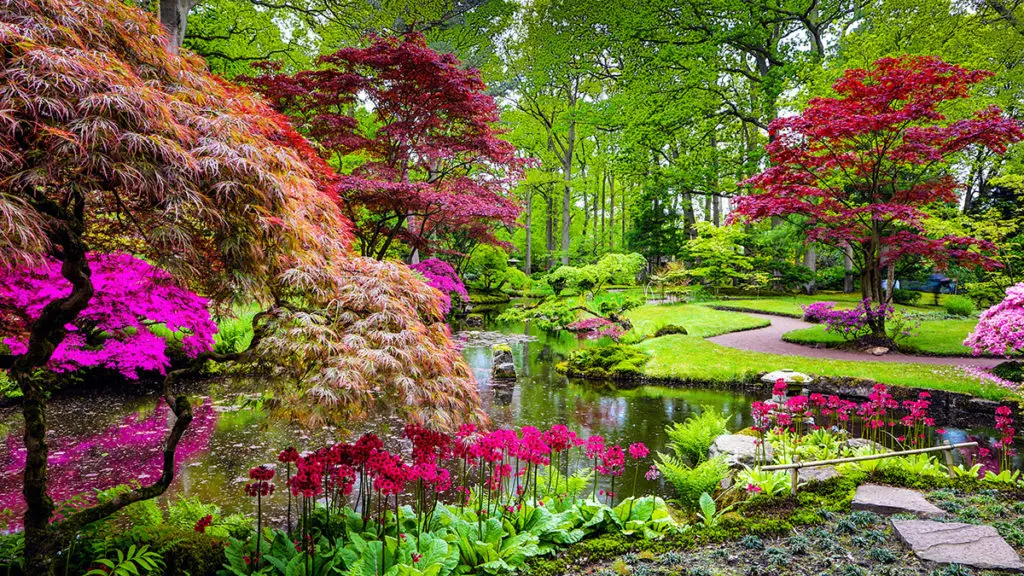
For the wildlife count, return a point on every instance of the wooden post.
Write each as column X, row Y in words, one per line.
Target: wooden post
column 949, row 459
column 795, row 474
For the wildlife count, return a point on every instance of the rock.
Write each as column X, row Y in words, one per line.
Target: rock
column 877, row 350
column 502, row 365
column 475, row 320
column 739, row 450
column 969, row 545
column 857, row 443
column 819, row 474
column 788, row 376
column 888, row 500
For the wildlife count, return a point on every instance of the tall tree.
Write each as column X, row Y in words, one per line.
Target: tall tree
column 412, row 134
column 110, row 142
column 863, row 166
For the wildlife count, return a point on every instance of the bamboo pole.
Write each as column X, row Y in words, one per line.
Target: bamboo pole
column 949, row 460
column 815, row 463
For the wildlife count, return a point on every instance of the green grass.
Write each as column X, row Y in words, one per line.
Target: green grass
column 694, row 359
column 938, row 337
column 791, row 305
column 699, row 321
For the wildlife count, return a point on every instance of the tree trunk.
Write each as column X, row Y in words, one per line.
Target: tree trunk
column 604, row 183
column 611, row 211
column 528, row 268
column 689, row 218
column 848, row 269
column 811, row 263
column 567, row 192
column 174, row 17
column 550, row 229
column 871, row 283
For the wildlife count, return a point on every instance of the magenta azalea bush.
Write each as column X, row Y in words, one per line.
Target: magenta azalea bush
column 1000, row 329
column 113, row 330
column 816, row 312
column 441, row 276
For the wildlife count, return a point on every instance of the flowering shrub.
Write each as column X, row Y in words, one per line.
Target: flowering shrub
column 1000, row 329
column 441, row 276
column 130, row 295
column 520, row 491
column 815, row 312
column 594, row 328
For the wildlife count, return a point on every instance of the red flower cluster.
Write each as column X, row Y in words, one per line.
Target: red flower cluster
column 203, row 523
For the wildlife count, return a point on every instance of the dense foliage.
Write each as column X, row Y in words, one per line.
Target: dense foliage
column 411, row 135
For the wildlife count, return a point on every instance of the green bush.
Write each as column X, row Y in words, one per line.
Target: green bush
column 959, row 306
column 906, row 297
column 986, row 294
column 830, row 278
column 611, row 361
column 668, row 330
column 1012, row 371
column 690, row 440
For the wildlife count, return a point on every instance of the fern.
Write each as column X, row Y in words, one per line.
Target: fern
column 135, row 562
column 689, row 482
column 690, row 440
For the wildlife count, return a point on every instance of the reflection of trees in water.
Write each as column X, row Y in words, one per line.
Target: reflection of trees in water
column 131, row 449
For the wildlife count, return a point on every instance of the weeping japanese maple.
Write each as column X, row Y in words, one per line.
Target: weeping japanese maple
column 862, row 167
column 109, row 143
column 412, row 134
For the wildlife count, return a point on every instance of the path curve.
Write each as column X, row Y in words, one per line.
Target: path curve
column 769, row 340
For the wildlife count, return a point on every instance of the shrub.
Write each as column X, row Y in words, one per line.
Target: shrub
column 1012, row 371
column 690, row 440
column 689, row 482
column 668, row 330
column 986, row 294
column 906, row 297
column 612, row 361
column 959, row 306
column 818, row 311
column 830, row 278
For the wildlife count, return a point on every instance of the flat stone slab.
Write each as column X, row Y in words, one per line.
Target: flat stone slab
column 970, row 545
column 819, row 474
column 786, row 375
column 739, row 450
column 887, row 500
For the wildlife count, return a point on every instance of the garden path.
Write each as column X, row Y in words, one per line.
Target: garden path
column 769, row 340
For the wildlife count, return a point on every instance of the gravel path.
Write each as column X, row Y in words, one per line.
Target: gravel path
column 769, row 340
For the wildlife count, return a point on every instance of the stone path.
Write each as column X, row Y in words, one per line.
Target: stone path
column 972, row 545
column 886, row 500
column 769, row 340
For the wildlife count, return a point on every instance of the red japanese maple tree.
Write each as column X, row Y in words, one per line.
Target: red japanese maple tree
column 863, row 166
column 412, row 135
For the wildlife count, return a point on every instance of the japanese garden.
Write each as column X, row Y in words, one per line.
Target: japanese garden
column 487, row 287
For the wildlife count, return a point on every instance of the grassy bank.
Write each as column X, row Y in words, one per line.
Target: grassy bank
column 792, row 305
column 936, row 337
column 699, row 321
column 692, row 358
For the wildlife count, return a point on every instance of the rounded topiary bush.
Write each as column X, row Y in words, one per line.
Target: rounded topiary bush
column 906, row 297
column 669, row 329
column 959, row 306
column 1011, row 370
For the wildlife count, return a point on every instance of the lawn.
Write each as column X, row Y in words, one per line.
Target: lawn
column 699, row 321
column 938, row 337
column 791, row 305
column 695, row 359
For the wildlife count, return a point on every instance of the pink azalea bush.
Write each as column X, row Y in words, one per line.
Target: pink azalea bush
column 595, row 328
column 1000, row 329
column 815, row 313
column 113, row 330
column 442, row 277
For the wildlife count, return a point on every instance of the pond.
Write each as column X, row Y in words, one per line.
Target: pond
column 101, row 440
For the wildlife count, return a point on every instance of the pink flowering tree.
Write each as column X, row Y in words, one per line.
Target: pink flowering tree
column 1000, row 329
column 113, row 330
column 442, row 277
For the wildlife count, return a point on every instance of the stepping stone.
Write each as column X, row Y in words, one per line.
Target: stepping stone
column 887, row 500
column 819, row 474
column 970, row 545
